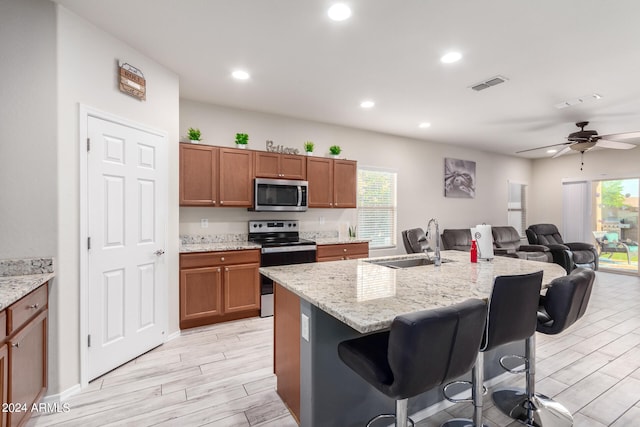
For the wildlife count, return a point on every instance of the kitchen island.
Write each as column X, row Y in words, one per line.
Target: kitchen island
column 318, row 305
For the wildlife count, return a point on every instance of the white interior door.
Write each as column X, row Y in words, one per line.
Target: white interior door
column 127, row 216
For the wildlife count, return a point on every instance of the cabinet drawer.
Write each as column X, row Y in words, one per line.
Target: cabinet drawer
column 210, row 259
column 3, row 325
column 27, row 307
column 348, row 249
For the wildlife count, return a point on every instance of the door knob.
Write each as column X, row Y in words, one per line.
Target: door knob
column 159, row 252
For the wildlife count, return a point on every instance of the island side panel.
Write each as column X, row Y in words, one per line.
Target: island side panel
column 286, row 347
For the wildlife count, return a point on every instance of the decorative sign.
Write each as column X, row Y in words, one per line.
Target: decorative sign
column 281, row 149
column 132, row 81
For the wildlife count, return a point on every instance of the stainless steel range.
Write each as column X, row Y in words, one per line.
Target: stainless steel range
column 281, row 245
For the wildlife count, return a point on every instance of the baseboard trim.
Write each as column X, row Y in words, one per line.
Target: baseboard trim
column 173, row 335
column 63, row 396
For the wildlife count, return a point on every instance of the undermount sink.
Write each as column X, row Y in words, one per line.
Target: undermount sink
column 405, row 263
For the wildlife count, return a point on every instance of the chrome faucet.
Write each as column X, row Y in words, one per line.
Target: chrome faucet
column 436, row 256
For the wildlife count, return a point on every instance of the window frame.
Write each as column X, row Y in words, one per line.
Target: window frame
column 391, row 209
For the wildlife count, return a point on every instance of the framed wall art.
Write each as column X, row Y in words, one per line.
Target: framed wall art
column 459, row 178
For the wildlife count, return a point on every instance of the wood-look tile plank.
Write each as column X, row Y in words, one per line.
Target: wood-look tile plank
column 613, row 403
column 584, row 391
column 581, row 368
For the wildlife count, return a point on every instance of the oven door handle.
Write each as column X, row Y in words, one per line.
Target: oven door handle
column 276, row 249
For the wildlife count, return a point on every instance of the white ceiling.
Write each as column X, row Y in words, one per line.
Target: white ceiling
column 304, row 65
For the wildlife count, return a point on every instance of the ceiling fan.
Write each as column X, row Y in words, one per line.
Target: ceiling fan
column 584, row 140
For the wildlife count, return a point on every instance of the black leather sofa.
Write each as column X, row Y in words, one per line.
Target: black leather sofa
column 506, row 241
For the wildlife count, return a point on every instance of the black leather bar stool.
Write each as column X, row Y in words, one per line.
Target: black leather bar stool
column 421, row 351
column 511, row 317
column 564, row 303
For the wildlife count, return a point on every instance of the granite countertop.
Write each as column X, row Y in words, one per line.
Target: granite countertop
column 217, row 246
column 367, row 297
column 19, row 277
column 339, row 240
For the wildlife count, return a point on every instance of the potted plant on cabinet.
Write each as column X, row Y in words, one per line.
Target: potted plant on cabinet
column 335, row 150
column 242, row 139
column 194, row 135
column 308, row 148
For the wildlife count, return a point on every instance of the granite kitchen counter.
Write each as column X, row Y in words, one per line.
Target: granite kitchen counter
column 20, row 277
column 218, row 246
column 367, row 296
column 339, row 240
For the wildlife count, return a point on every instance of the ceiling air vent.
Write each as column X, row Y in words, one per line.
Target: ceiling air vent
column 488, row 83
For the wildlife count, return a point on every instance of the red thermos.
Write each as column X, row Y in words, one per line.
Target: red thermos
column 474, row 251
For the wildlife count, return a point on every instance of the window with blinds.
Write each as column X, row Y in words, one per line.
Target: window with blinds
column 517, row 207
column 377, row 207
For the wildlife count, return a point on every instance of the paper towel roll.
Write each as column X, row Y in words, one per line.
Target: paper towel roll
column 481, row 233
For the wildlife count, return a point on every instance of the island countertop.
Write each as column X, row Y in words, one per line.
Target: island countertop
column 367, row 296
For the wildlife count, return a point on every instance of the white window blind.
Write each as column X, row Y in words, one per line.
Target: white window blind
column 377, row 207
column 517, row 207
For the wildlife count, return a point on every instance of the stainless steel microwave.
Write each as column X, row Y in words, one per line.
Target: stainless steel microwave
column 280, row 195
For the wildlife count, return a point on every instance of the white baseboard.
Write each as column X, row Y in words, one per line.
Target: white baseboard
column 173, row 335
column 63, row 396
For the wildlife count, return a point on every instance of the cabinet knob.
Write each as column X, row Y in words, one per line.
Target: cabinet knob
column 34, row 306
column 16, row 345
column 344, row 250
column 226, row 269
column 330, row 204
column 221, row 202
column 219, row 270
column 221, row 258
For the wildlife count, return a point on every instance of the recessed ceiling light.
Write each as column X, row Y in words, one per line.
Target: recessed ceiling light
column 424, row 125
column 552, row 151
column 451, row 57
column 339, row 12
column 367, row 104
column 240, row 75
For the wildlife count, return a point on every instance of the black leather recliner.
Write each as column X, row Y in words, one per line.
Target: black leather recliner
column 457, row 239
column 415, row 240
column 506, row 241
column 568, row 255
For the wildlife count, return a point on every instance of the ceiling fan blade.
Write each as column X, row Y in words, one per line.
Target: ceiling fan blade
column 564, row 151
column 626, row 137
column 617, row 145
column 540, row 148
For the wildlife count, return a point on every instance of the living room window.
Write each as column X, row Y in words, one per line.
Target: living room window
column 377, row 207
column 517, row 207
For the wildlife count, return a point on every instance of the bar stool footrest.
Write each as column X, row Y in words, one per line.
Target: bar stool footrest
column 381, row 416
column 454, row 400
column 544, row 410
column 461, row 422
column 513, row 356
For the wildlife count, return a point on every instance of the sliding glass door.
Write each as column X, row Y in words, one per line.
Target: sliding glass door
column 615, row 223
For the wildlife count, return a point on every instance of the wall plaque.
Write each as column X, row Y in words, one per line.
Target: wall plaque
column 132, row 81
column 281, row 148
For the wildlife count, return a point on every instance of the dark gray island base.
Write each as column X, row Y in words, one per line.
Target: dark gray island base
column 319, row 305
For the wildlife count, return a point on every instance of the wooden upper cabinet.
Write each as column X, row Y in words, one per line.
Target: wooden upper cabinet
column 236, row 177
column 320, row 177
column 345, row 183
column 198, row 175
column 283, row 166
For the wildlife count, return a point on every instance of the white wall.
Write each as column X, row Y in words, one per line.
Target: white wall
column 419, row 164
column 87, row 74
column 27, row 129
column 547, row 175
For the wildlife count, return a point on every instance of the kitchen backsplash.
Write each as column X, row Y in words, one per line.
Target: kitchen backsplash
column 23, row 267
column 189, row 239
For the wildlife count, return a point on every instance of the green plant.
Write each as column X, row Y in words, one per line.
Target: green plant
column 194, row 134
column 308, row 146
column 242, row 138
column 335, row 150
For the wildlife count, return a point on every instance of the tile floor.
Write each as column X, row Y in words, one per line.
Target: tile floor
column 221, row 375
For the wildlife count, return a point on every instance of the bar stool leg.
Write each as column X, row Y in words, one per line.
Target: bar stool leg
column 527, row 406
column 401, row 416
column 477, row 391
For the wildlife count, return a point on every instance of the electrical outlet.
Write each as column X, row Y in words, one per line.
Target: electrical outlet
column 204, row 223
column 321, row 220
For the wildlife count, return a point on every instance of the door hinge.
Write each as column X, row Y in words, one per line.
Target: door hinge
column 89, row 340
column 88, row 144
column 88, row 242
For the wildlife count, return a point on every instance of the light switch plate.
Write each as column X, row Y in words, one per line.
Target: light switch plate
column 304, row 326
column 204, row 223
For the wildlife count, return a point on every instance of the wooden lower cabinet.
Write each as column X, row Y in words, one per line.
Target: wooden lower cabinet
column 342, row 251
column 23, row 357
column 286, row 348
column 219, row 286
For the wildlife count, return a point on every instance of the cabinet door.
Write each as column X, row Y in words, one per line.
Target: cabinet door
column 320, row 177
column 236, row 177
column 293, row 167
column 200, row 295
column 4, row 381
column 267, row 165
column 345, row 175
column 241, row 288
column 28, row 366
column 198, row 175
